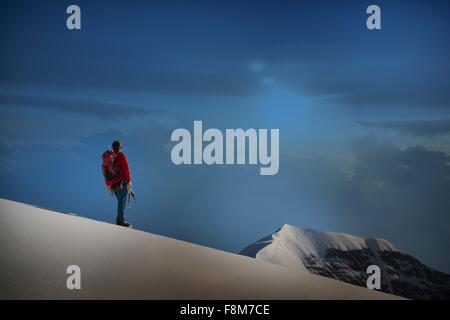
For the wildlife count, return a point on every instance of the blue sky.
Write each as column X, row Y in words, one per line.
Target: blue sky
column 364, row 116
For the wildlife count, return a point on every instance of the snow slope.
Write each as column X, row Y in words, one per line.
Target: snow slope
column 37, row 245
column 346, row 257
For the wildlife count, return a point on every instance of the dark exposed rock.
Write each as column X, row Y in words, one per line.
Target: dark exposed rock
column 403, row 274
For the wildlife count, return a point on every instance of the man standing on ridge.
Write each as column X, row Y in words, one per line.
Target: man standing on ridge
column 121, row 182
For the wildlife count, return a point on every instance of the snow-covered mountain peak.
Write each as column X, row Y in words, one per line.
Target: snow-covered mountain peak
column 346, row 257
column 308, row 242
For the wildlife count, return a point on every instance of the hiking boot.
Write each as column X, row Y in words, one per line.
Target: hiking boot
column 123, row 223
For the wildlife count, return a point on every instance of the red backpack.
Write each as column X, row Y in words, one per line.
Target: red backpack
column 109, row 169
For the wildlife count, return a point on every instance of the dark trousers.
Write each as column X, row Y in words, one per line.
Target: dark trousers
column 121, row 196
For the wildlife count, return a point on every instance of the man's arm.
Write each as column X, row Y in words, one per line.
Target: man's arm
column 123, row 161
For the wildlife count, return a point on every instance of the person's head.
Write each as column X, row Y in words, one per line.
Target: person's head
column 116, row 146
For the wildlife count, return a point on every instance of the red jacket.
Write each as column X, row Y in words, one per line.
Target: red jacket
column 123, row 170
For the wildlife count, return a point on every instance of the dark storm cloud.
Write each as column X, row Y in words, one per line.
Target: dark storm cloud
column 412, row 167
column 205, row 49
column 418, row 128
column 94, row 108
column 118, row 78
column 187, row 83
column 386, row 87
column 404, row 195
column 400, row 93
